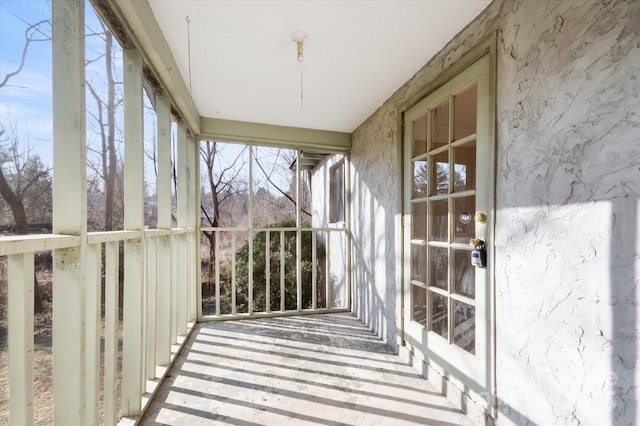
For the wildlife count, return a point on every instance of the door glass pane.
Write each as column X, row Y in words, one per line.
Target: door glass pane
column 439, row 315
column 464, row 274
column 439, row 220
column 420, row 135
column 440, row 125
column 419, row 263
column 464, row 121
column 419, row 221
column 420, row 178
column 439, row 267
column 419, row 303
column 440, row 178
column 464, row 328
column 463, row 223
column 464, row 169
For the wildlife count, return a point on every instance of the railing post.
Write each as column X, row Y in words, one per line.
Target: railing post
column 133, row 249
column 152, row 268
column 111, row 296
column 69, row 211
column 92, row 330
column 20, row 323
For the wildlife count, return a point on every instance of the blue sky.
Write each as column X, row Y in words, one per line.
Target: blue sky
column 25, row 102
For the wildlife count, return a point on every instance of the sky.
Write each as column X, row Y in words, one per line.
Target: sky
column 26, row 99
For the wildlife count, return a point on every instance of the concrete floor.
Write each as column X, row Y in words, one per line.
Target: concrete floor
column 320, row 369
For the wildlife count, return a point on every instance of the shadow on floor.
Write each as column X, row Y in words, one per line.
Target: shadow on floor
column 321, row 369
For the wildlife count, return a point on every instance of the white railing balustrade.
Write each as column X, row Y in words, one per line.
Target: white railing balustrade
column 162, row 307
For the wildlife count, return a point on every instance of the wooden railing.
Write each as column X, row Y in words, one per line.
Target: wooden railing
column 322, row 274
column 158, row 311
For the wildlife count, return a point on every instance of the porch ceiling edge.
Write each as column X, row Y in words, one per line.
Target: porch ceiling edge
column 267, row 134
column 134, row 20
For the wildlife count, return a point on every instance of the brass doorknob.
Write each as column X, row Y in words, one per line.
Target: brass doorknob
column 481, row 217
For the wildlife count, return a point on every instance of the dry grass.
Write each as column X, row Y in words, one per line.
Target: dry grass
column 42, row 356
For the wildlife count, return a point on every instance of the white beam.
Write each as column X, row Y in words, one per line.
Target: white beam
column 133, row 220
column 163, row 112
column 69, row 210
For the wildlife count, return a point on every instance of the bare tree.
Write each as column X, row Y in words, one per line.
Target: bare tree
column 24, row 181
column 40, row 31
column 107, row 105
column 222, row 185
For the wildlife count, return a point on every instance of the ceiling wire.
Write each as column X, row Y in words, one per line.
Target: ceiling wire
column 189, row 51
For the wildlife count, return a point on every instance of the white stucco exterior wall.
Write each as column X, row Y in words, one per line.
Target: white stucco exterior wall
column 568, row 207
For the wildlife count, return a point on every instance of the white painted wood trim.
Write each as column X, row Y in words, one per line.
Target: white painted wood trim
column 163, row 350
column 272, row 135
column 151, row 311
column 92, row 330
column 132, row 356
column 163, row 116
column 111, row 320
column 20, row 331
column 31, row 243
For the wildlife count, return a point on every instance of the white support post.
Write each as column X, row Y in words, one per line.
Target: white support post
column 20, row 323
column 327, row 291
column 173, row 324
column 282, row 298
column 314, row 255
column 111, row 318
column 69, row 211
column 133, row 249
column 298, row 234
column 163, row 112
column 92, row 330
column 250, row 236
column 197, row 262
column 267, row 263
column 182, row 283
column 193, row 211
column 217, row 272
column 233, row 274
column 348, row 240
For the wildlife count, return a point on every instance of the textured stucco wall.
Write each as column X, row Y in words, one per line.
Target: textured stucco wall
column 567, row 221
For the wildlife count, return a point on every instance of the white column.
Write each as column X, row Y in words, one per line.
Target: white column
column 193, row 211
column 182, row 284
column 69, row 211
column 132, row 350
column 163, row 111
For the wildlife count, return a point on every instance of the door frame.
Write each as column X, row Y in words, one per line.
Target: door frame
column 486, row 396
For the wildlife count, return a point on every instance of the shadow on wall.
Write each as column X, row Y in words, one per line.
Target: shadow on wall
column 624, row 308
column 374, row 301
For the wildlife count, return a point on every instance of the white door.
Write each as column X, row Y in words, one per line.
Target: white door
column 449, row 200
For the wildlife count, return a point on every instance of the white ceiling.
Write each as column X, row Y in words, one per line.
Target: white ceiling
column 358, row 52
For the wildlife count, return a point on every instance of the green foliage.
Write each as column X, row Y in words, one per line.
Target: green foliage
column 260, row 269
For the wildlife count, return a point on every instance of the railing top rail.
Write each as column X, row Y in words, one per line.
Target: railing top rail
column 111, row 236
column 17, row 244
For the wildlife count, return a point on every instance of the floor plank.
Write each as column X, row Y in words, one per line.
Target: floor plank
column 319, row 369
